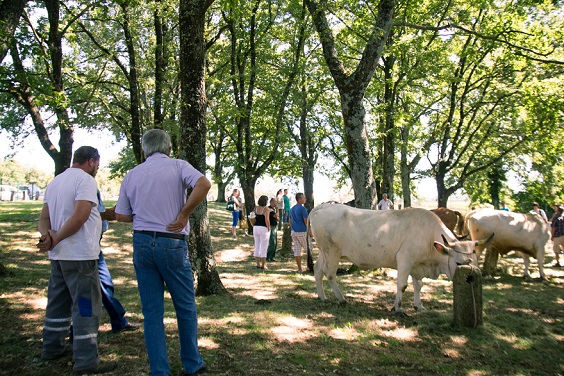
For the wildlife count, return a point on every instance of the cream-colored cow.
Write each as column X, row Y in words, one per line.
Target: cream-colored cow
column 413, row 241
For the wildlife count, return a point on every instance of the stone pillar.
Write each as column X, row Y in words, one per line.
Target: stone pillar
column 287, row 240
column 467, row 287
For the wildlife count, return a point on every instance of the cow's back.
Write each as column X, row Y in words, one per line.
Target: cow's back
column 372, row 239
column 513, row 231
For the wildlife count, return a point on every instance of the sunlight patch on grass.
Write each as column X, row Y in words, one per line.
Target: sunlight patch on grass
column 403, row 334
column 230, row 255
column 207, row 343
column 347, row 333
column 452, row 353
column 292, row 329
column 459, row 340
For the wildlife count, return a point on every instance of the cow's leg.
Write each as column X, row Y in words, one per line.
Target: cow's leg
column 526, row 262
column 318, row 272
column 540, row 260
column 417, row 284
column 403, row 274
column 330, row 271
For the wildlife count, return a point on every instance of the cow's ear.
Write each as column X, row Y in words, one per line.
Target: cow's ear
column 441, row 248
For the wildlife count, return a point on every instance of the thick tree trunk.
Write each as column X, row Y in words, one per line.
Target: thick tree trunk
column 193, row 135
column 358, row 151
column 248, row 187
column 352, row 88
column 10, row 13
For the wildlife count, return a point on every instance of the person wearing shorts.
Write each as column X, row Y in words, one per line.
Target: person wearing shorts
column 298, row 224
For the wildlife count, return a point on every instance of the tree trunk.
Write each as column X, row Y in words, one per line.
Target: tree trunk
column 134, row 101
column 490, row 261
column 10, row 12
column 221, row 187
column 404, row 169
column 358, row 151
column 193, row 135
column 352, row 88
column 248, row 187
column 159, row 67
column 389, row 150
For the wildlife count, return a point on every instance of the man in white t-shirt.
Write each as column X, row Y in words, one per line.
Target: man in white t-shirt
column 538, row 211
column 70, row 227
column 385, row 203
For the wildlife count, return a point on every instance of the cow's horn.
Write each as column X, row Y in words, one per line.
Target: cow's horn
column 481, row 242
column 445, row 240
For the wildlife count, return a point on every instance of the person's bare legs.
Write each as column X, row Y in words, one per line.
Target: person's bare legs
column 299, row 262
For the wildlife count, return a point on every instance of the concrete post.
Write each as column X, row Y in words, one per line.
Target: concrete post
column 467, row 287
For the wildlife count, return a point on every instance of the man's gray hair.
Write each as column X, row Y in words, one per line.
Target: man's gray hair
column 155, row 141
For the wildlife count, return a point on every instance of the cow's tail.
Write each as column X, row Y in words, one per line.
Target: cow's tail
column 309, row 245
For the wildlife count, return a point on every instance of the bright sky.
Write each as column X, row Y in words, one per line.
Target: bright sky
column 33, row 155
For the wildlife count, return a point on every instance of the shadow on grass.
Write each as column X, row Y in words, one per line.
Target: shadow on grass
column 271, row 323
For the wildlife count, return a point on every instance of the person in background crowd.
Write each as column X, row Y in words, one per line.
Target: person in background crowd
column 261, row 231
column 286, row 216
column 273, row 242
column 280, row 207
column 236, row 213
column 71, row 227
column 153, row 197
column 385, row 203
column 557, row 234
column 298, row 224
column 503, row 206
column 538, row 211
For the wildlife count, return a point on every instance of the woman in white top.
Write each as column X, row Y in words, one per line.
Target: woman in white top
column 261, row 231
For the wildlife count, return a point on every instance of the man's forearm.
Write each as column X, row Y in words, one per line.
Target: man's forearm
column 198, row 194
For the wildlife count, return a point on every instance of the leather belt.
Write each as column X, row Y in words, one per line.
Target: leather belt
column 156, row 234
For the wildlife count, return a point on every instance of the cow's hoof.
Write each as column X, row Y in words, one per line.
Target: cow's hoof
column 421, row 308
column 343, row 302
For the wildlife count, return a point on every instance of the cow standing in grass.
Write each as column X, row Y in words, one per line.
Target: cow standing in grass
column 526, row 233
column 413, row 241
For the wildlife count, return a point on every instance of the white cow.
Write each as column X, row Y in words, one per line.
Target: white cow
column 406, row 240
column 527, row 233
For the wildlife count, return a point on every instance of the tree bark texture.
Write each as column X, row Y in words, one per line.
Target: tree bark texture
column 352, row 88
column 193, row 135
column 133, row 81
column 10, row 13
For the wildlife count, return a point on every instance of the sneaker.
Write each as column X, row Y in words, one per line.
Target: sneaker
column 130, row 327
column 102, row 367
column 198, row 372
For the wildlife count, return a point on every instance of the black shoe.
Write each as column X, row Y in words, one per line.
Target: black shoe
column 67, row 350
column 102, row 367
column 130, row 327
column 198, row 372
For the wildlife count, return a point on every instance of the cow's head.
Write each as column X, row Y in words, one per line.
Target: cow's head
column 460, row 252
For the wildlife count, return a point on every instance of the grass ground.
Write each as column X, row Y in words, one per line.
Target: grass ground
column 271, row 322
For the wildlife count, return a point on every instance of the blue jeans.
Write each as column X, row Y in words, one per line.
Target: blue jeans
column 236, row 216
column 111, row 303
column 157, row 261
